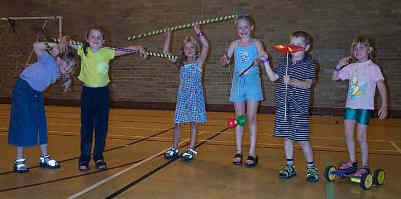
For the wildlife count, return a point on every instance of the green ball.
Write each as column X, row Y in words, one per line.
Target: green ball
column 241, row 120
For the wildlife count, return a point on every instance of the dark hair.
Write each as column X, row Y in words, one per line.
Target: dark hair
column 85, row 43
column 307, row 38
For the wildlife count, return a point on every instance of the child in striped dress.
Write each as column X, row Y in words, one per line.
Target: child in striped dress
column 190, row 105
column 294, row 125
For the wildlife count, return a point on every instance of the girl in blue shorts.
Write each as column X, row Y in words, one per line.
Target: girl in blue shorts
column 246, row 90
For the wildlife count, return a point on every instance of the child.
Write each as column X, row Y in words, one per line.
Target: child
column 95, row 97
column 28, row 125
column 295, row 125
column 364, row 75
column 190, row 105
column 246, row 90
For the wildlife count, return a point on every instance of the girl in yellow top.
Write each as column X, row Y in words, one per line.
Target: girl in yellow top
column 95, row 97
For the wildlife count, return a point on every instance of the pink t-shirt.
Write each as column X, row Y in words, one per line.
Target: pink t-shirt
column 362, row 84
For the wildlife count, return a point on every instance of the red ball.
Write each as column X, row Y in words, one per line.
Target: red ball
column 231, row 123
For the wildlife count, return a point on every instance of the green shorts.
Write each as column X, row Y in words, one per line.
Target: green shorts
column 362, row 116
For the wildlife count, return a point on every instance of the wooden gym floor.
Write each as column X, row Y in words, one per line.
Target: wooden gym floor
column 138, row 138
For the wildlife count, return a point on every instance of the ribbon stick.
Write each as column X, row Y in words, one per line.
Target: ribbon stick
column 287, row 49
column 179, row 27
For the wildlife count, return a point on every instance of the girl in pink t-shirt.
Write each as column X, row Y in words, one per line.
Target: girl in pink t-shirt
column 363, row 76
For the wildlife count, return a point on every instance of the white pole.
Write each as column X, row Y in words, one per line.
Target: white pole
column 28, row 18
column 60, row 26
column 286, row 87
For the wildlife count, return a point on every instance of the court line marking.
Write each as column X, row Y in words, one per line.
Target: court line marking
column 128, row 186
column 395, row 146
column 124, row 171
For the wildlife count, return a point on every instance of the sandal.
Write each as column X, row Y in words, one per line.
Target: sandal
column 253, row 163
column 362, row 171
column 171, row 154
column 20, row 166
column 348, row 168
column 101, row 165
column 188, row 155
column 237, row 159
column 312, row 174
column 47, row 162
column 287, row 172
column 83, row 166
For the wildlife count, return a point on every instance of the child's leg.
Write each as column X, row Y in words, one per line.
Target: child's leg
column 239, row 110
column 307, row 149
column 43, row 149
column 289, row 170
column 19, row 164
column 87, row 120
column 288, row 149
column 349, row 138
column 252, row 108
column 194, row 132
column 363, row 143
column 312, row 173
column 20, row 152
column 101, row 121
column 177, row 135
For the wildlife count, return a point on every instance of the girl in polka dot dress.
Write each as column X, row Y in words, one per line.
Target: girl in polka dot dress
column 190, row 105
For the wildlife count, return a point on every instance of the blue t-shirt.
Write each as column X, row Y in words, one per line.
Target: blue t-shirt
column 42, row 73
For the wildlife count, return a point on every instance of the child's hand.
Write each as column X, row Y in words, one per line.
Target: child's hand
column 382, row 112
column 344, row 61
column 287, row 79
column 168, row 32
column 67, row 84
column 224, row 60
column 197, row 28
column 63, row 43
column 142, row 51
column 264, row 59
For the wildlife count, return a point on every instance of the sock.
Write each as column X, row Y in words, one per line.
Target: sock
column 310, row 164
column 43, row 148
column 290, row 162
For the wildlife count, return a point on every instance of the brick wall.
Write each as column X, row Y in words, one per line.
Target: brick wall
column 332, row 23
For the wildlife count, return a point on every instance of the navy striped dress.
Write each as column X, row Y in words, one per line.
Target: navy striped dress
column 296, row 125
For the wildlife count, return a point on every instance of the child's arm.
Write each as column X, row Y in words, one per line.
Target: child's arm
column 266, row 62
column 166, row 48
column 40, row 47
column 226, row 58
column 205, row 44
column 343, row 62
column 298, row 83
column 383, row 94
column 134, row 48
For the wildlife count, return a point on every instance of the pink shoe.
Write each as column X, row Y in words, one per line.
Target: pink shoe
column 362, row 171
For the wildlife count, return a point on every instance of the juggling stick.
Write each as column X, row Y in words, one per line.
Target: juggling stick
column 179, row 27
column 148, row 53
column 287, row 49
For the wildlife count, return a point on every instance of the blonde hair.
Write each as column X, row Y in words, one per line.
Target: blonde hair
column 363, row 40
column 193, row 41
